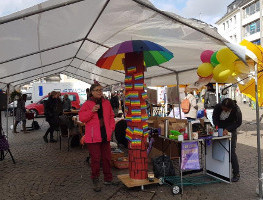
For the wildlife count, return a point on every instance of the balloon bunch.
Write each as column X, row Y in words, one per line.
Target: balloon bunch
column 219, row 65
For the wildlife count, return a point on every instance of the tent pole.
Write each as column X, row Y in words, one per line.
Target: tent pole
column 217, row 91
column 7, row 98
column 258, row 134
column 179, row 100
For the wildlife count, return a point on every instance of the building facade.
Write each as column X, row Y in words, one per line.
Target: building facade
column 242, row 21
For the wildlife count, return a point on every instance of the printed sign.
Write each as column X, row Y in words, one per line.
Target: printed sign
column 190, row 156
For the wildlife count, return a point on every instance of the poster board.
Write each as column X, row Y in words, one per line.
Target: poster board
column 152, row 96
column 172, row 95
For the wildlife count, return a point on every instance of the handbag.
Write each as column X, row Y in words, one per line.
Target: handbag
column 4, row 146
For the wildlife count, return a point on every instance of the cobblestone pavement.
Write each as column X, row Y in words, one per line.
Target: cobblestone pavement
column 42, row 171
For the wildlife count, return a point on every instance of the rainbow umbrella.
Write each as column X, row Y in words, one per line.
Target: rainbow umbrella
column 133, row 56
column 153, row 54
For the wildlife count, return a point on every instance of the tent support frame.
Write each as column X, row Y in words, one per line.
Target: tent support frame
column 41, row 51
column 178, row 91
column 82, row 76
column 39, row 11
column 7, row 100
column 94, row 74
column 91, row 28
column 38, row 74
column 36, row 68
column 258, row 134
column 95, row 64
column 28, row 81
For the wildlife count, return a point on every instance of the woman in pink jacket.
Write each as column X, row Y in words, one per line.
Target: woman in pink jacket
column 98, row 116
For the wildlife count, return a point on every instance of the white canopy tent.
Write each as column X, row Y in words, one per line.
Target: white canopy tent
column 68, row 37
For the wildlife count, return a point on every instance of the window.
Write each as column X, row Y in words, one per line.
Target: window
column 231, row 37
column 224, row 26
column 253, row 8
column 257, row 6
column 230, row 23
column 42, row 101
column 252, row 28
column 247, row 11
column 235, row 19
column 258, row 26
column 72, row 97
column 227, row 23
column 235, row 38
column 29, row 96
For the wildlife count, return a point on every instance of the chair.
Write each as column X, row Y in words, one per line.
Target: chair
column 67, row 129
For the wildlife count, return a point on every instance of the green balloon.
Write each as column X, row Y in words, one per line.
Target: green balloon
column 214, row 60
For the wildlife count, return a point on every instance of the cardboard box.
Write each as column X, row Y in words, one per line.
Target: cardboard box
column 170, row 148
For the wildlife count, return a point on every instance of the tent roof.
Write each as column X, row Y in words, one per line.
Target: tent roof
column 68, row 37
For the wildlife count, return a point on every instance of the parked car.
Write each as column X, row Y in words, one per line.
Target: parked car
column 38, row 108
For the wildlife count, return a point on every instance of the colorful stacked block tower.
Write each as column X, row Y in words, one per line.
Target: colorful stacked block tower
column 136, row 115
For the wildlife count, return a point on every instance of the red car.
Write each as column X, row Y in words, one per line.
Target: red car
column 38, row 108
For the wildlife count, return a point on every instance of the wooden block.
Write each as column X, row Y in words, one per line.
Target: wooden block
column 126, row 180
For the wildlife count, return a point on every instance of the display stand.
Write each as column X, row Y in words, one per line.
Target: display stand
column 216, row 166
column 220, row 169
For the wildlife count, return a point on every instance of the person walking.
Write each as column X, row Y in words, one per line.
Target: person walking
column 98, row 116
column 191, row 115
column 66, row 102
column 52, row 114
column 20, row 113
column 210, row 102
column 227, row 115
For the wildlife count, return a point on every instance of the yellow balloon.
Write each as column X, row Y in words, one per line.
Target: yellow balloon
column 205, row 70
column 222, row 72
column 226, row 56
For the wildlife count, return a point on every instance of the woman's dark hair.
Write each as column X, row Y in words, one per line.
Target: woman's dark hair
column 92, row 87
column 23, row 97
column 228, row 103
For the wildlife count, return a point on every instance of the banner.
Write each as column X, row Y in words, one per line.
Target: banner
column 190, row 156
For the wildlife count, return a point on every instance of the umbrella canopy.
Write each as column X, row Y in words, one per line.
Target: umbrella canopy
column 153, row 54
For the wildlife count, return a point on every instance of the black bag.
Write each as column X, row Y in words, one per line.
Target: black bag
column 120, row 133
column 4, row 146
column 35, row 125
column 163, row 166
column 75, row 141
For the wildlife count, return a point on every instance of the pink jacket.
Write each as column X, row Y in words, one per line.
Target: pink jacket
column 91, row 120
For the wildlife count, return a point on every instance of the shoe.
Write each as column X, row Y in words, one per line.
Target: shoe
column 111, row 183
column 236, row 178
column 52, row 141
column 45, row 139
column 96, row 185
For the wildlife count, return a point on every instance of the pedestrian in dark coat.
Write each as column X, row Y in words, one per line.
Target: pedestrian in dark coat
column 52, row 115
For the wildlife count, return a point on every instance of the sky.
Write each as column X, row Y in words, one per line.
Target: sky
column 208, row 11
